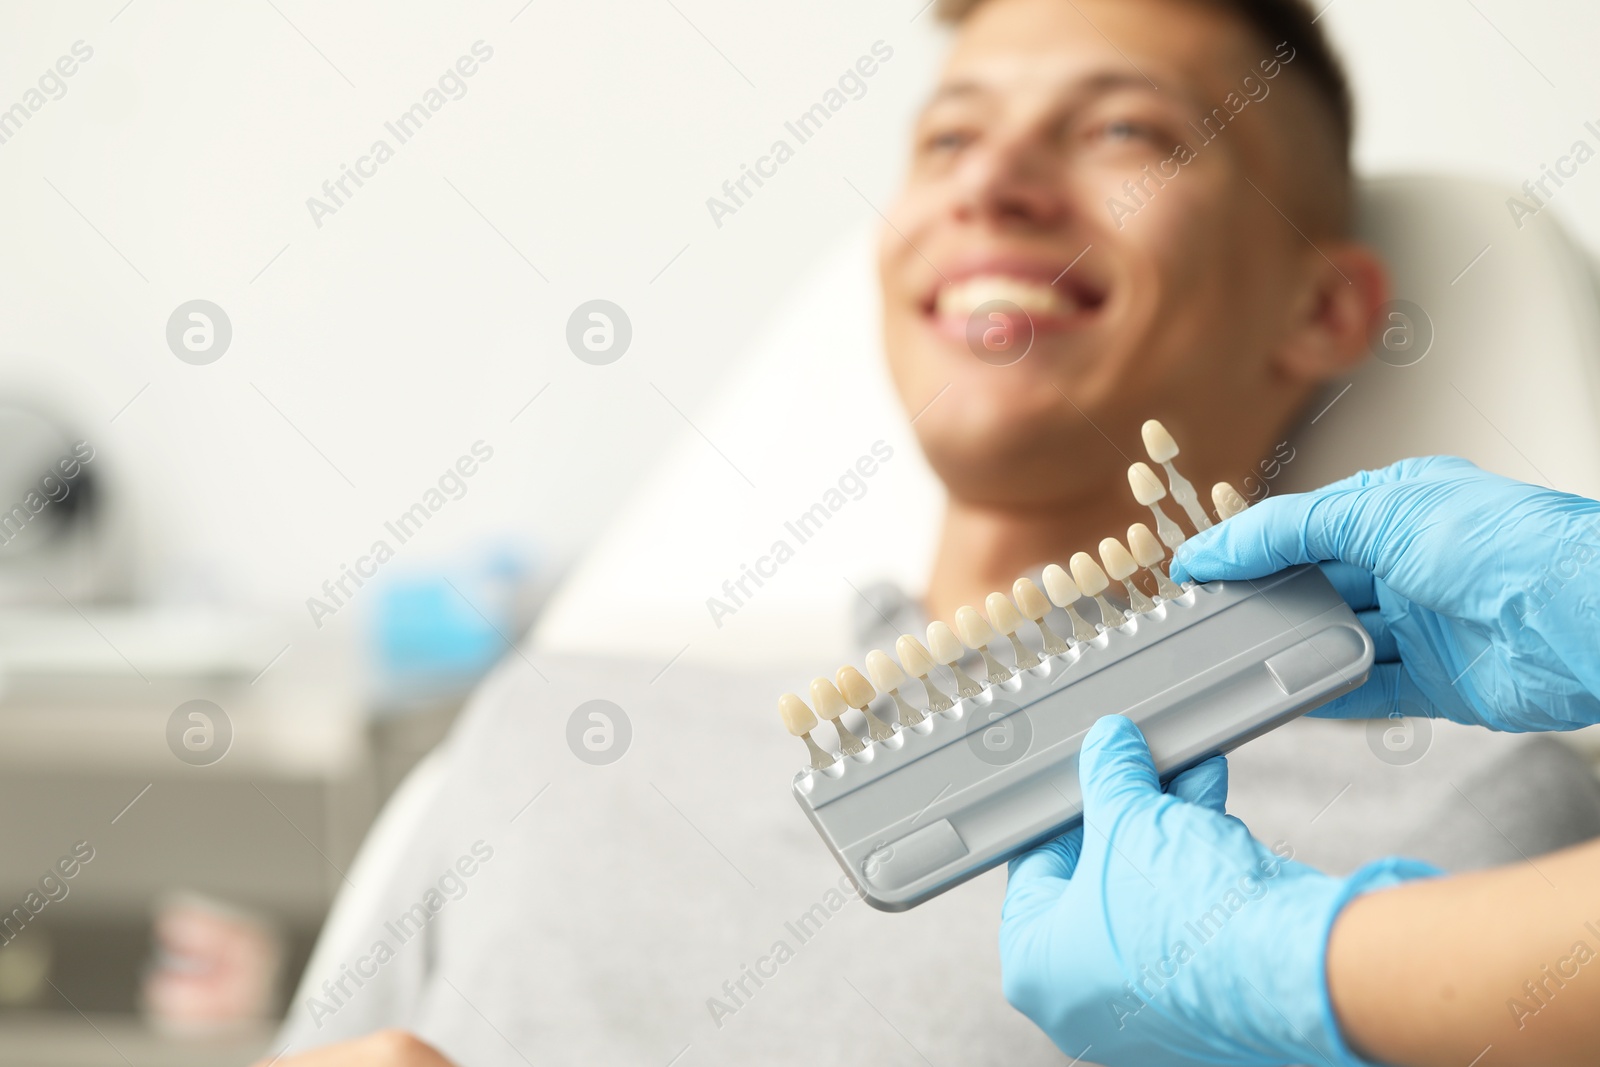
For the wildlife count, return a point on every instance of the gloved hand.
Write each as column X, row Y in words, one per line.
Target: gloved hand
column 1166, row 934
column 1480, row 593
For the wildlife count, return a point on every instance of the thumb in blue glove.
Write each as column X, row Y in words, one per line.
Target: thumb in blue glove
column 1480, row 592
column 1162, row 933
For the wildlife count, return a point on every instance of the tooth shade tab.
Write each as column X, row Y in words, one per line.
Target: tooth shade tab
column 1158, row 442
column 855, row 688
column 1002, row 614
column 913, row 657
column 1119, row 562
column 975, row 630
column 797, row 717
column 1059, row 584
column 942, row 642
column 1146, row 548
column 1227, row 499
column 883, row 671
column 827, row 699
column 1087, row 573
column 1147, row 488
column 1030, row 600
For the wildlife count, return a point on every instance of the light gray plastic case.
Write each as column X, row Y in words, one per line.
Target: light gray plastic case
column 969, row 788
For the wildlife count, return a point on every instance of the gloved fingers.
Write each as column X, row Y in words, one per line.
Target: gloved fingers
column 1354, row 584
column 1403, row 470
column 1389, row 690
column 1036, row 879
column 1386, row 649
column 1205, row 784
column 1114, row 767
column 1056, row 858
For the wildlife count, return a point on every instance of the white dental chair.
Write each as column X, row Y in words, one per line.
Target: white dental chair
column 1512, row 381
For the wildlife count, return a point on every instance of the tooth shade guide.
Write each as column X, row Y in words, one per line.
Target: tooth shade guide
column 858, row 693
column 1227, row 499
column 947, row 650
column 1163, row 449
column 1035, row 605
column 799, row 721
column 888, row 677
column 1121, row 566
column 919, row 663
column 1093, row 582
column 830, row 705
column 1150, row 555
column 1003, row 616
column 1065, row 593
column 976, row 633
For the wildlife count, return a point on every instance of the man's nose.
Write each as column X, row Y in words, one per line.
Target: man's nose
column 1015, row 182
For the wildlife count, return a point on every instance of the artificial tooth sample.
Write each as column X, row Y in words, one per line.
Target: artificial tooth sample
column 1003, row 617
column 1121, row 566
column 1036, row 606
column 976, row 633
column 1227, row 499
column 830, row 705
column 888, row 677
column 1148, row 551
column 1163, row 449
column 858, row 693
column 1148, row 490
column 919, row 663
column 947, row 650
column 799, row 720
column 1065, row 592
column 1094, row 583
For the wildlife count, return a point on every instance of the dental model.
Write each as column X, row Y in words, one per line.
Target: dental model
column 947, row 650
column 1035, row 605
column 830, row 705
column 1065, row 593
column 1162, row 449
column 888, row 677
column 1227, row 499
column 858, row 693
column 1003, row 617
column 919, row 663
column 976, row 633
column 1121, row 566
column 1094, row 583
column 1148, row 490
column 1148, row 551
column 799, row 721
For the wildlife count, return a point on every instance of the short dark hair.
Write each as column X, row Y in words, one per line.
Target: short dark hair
column 1274, row 22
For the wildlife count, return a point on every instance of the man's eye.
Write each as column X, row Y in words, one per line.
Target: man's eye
column 946, row 141
column 1126, row 130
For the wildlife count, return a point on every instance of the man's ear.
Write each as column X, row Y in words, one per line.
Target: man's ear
column 1347, row 287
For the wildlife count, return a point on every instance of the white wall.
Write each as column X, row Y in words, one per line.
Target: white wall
column 406, row 328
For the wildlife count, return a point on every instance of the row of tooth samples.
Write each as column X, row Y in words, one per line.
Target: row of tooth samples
column 1084, row 577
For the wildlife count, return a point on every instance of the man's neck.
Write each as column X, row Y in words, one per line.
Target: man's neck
column 984, row 549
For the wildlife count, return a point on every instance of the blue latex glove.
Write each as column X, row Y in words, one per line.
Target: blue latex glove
column 1166, row 934
column 1480, row 593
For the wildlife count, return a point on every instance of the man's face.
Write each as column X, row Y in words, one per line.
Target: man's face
column 1169, row 306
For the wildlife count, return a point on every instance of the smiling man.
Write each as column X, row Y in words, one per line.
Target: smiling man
column 1149, row 201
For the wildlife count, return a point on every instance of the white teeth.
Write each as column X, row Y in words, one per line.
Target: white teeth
column 830, row 704
column 960, row 299
column 1147, row 488
column 943, row 644
column 1059, row 584
column 797, row 718
column 1029, row 599
column 885, row 675
column 855, row 688
column 1119, row 563
column 1158, row 442
column 1002, row 615
column 975, row 630
column 1146, row 548
column 1087, row 573
column 1227, row 499
column 913, row 657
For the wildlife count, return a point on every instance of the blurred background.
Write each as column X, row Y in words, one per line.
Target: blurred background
column 216, row 400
